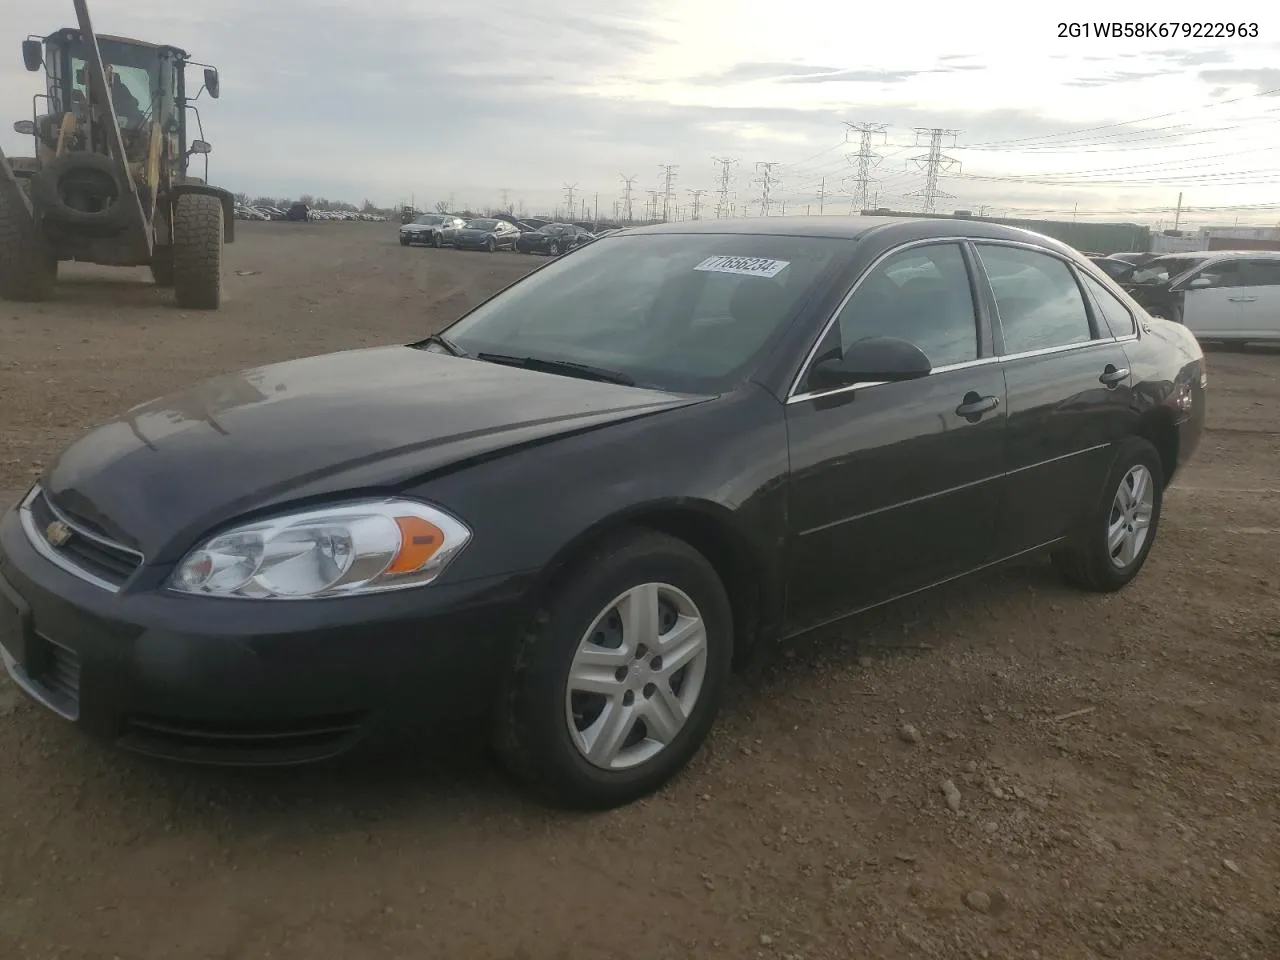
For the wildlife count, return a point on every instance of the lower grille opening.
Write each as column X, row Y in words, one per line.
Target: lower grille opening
column 244, row 742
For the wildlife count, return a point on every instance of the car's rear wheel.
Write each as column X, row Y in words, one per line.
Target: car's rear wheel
column 1111, row 548
column 436, row 241
column 618, row 681
column 492, row 245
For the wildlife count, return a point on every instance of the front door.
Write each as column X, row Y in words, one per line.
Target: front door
column 894, row 486
column 1069, row 395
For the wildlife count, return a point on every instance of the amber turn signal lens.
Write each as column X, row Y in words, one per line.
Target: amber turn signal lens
column 419, row 541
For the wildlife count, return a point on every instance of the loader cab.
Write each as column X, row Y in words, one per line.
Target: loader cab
column 148, row 89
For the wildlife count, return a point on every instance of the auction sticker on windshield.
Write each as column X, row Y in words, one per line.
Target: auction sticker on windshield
column 745, row 266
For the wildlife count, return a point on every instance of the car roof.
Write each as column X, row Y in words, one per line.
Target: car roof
column 846, row 228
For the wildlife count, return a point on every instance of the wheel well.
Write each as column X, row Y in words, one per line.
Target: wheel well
column 1158, row 429
column 727, row 552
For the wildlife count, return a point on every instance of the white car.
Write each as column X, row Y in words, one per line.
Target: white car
column 1225, row 296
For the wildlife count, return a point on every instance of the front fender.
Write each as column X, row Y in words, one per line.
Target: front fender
column 228, row 204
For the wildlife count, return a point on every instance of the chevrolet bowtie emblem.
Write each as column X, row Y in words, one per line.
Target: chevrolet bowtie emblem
column 57, row 533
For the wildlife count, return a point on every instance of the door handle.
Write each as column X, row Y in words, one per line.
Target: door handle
column 973, row 408
column 1112, row 376
column 1242, row 299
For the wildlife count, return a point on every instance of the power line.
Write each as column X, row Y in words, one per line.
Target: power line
column 697, row 203
column 1049, row 137
column 726, row 178
column 626, row 196
column 933, row 163
column 669, row 176
column 766, row 181
column 866, row 160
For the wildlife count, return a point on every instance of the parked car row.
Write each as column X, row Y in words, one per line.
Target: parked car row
column 1228, row 296
column 494, row 233
column 299, row 212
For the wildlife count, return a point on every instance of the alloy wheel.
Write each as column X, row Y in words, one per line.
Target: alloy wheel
column 1129, row 523
column 636, row 676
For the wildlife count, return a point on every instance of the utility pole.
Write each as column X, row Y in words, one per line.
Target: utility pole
column 822, row 196
column 767, row 181
column 933, row 163
column 697, row 203
column 1177, row 217
column 784, row 208
column 595, row 220
column 506, row 200
column 669, row 177
column 865, row 160
column 723, row 207
column 652, row 212
column 626, row 197
column 569, row 191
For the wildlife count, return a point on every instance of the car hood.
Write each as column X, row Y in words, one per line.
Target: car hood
column 473, row 232
column 370, row 420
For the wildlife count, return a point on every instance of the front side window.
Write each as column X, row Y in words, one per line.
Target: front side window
column 685, row 312
column 922, row 295
column 1037, row 300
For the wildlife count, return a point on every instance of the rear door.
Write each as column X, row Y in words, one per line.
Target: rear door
column 1069, row 393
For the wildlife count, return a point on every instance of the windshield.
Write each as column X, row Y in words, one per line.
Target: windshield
column 482, row 224
column 430, row 220
column 135, row 84
column 683, row 312
column 1164, row 270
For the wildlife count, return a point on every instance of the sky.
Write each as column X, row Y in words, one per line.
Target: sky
column 400, row 100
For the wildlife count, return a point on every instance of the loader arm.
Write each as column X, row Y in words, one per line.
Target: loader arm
column 99, row 92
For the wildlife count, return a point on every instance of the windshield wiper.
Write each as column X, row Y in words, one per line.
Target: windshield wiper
column 568, row 367
column 449, row 345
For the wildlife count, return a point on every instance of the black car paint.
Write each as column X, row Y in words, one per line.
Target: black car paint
column 471, row 238
column 812, row 509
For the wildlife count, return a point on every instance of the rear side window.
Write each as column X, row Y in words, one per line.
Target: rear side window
column 1037, row 299
column 1260, row 273
column 1117, row 315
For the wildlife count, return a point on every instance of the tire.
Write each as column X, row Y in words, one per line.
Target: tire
column 404, row 242
column 197, row 251
column 46, row 196
column 28, row 269
column 436, row 241
column 1087, row 561
column 162, row 266
column 492, row 245
column 554, row 248
column 543, row 734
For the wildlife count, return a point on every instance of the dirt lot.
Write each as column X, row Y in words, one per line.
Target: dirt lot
column 1117, row 758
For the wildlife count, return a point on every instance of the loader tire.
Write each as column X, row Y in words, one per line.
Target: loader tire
column 162, row 266
column 27, row 268
column 197, row 251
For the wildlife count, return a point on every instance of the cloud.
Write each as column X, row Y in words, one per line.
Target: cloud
column 1193, row 58
column 755, row 70
column 1262, row 78
column 1119, row 76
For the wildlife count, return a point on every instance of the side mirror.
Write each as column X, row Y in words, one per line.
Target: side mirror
column 27, row 127
column 1199, row 283
column 32, row 55
column 200, row 146
column 211, row 82
column 873, row 360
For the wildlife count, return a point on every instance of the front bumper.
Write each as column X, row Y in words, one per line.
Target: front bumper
column 244, row 682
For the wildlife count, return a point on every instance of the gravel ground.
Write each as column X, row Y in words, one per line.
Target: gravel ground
column 1110, row 762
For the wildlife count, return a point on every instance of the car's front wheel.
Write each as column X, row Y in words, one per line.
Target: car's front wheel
column 618, row 681
column 1112, row 546
column 436, row 241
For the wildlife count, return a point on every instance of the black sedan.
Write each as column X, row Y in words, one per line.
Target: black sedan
column 486, row 234
column 553, row 239
column 575, row 510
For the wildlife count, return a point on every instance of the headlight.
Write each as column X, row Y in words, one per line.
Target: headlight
column 354, row 548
